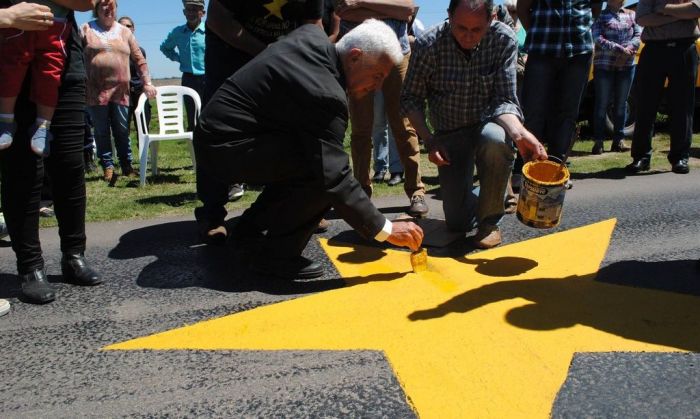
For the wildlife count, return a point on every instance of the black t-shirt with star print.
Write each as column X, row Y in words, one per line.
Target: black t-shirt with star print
column 268, row 20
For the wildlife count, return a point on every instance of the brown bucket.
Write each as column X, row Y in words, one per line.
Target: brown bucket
column 542, row 193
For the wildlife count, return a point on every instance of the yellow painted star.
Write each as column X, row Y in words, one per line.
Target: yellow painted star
column 489, row 335
column 275, row 8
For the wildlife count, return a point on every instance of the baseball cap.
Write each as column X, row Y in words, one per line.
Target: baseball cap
column 199, row 3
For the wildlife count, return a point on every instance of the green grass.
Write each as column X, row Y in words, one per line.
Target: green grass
column 172, row 191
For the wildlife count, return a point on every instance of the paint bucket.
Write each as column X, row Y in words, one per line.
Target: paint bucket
column 542, row 193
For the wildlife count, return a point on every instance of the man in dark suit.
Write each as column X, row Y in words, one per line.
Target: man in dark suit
column 280, row 121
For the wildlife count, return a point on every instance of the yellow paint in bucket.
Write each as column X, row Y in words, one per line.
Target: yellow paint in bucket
column 542, row 193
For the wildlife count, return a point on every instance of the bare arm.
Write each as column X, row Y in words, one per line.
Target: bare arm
column 528, row 146
column 523, row 8
column 27, row 17
column 680, row 11
column 224, row 24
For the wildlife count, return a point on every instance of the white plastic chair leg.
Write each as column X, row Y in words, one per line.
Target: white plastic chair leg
column 143, row 166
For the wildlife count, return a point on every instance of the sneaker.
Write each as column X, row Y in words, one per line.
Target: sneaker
column 46, row 212
column 418, row 207
column 379, row 176
column 4, row 307
column 41, row 140
column 7, row 132
column 3, row 227
column 236, row 191
column 395, row 179
column 487, row 238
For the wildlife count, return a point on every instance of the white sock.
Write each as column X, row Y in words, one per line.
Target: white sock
column 7, row 117
column 42, row 122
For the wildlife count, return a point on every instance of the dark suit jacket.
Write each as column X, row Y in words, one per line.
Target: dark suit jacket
column 294, row 92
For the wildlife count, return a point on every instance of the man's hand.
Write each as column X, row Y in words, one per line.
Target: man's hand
column 28, row 17
column 530, row 148
column 406, row 234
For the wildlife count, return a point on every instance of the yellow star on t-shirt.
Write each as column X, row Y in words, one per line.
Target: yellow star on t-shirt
column 275, row 8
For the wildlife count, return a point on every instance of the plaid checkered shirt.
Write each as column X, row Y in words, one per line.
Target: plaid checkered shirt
column 462, row 88
column 614, row 31
column 560, row 28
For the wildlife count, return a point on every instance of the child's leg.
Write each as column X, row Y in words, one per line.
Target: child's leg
column 7, row 121
column 41, row 138
column 46, row 79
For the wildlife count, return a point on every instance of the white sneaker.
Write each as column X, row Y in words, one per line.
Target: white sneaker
column 4, row 307
column 3, row 227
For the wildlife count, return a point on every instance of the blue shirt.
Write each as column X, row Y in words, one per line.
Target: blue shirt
column 190, row 48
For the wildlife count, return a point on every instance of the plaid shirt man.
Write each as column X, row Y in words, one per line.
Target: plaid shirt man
column 613, row 32
column 560, row 28
column 463, row 88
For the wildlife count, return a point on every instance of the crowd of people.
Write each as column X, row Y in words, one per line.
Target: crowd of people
column 486, row 90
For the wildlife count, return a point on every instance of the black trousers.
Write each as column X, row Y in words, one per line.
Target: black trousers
column 221, row 61
column 678, row 61
column 196, row 83
column 23, row 176
column 293, row 200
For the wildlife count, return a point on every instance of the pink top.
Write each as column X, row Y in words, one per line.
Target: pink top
column 107, row 55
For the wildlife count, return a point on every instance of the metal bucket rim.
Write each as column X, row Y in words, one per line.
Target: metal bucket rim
column 561, row 182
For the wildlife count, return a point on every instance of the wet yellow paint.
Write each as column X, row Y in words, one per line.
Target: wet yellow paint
column 487, row 335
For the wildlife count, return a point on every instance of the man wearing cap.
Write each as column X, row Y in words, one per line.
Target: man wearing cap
column 237, row 31
column 185, row 45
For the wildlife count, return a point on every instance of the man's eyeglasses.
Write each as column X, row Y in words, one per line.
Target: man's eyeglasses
column 128, row 25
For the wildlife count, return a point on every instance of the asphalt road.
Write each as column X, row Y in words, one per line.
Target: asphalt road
column 159, row 278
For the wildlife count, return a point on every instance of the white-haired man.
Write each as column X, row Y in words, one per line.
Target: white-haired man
column 465, row 70
column 280, row 122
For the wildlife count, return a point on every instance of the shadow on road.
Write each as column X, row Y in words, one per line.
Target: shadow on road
column 654, row 302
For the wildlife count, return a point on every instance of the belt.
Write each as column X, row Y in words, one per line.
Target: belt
column 671, row 42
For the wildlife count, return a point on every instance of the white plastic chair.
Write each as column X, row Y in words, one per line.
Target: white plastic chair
column 170, row 103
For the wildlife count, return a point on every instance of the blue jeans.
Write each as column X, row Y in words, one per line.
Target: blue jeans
column 615, row 83
column 493, row 153
column 111, row 120
column 552, row 91
column 386, row 155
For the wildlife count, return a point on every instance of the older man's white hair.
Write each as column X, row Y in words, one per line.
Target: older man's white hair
column 374, row 38
column 510, row 4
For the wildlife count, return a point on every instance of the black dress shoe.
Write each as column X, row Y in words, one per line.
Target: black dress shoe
column 619, row 146
column 597, row 148
column 680, row 167
column 77, row 271
column 395, row 179
column 36, row 288
column 638, row 165
column 288, row 268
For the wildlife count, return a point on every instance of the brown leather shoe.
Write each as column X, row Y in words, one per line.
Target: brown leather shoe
column 322, row 226
column 418, row 207
column 128, row 171
column 486, row 239
column 108, row 173
column 212, row 234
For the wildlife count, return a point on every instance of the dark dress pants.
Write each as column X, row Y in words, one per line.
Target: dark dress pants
column 293, row 200
column 198, row 84
column 23, row 175
column 677, row 61
column 551, row 95
column 221, row 61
